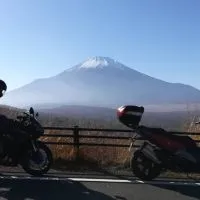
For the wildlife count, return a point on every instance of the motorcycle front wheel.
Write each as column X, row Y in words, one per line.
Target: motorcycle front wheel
column 37, row 163
column 144, row 168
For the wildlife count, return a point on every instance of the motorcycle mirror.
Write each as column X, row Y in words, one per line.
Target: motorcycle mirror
column 31, row 111
column 37, row 114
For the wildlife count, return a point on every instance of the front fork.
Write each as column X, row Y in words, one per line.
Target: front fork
column 132, row 143
column 34, row 145
column 133, row 140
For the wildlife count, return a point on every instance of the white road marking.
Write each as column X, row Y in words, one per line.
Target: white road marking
column 139, row 181
column 14, row 177
column 135, row 181
column 5, row 189
column 99, row 180
column 180, row 183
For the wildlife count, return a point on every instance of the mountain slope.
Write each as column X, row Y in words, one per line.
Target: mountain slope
column 101, row 81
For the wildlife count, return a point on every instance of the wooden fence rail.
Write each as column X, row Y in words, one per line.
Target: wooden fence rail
column 76, row 136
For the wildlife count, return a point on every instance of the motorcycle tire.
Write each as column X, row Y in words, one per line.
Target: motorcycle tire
column 27, row 158
column 139, row 159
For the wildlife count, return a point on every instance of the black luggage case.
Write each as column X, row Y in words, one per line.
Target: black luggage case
column 130, row 115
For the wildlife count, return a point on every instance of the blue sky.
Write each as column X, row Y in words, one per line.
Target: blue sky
column 40, row 38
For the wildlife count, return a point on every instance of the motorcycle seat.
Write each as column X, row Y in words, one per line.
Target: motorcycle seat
column 186, row 140
column 153, row 130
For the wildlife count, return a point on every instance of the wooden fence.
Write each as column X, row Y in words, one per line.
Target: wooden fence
column 76, row 136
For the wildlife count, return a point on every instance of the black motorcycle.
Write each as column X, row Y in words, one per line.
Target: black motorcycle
column 25, row 149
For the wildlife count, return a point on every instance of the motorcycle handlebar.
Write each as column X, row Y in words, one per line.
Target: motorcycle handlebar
column 26, row 113
column 22, row 116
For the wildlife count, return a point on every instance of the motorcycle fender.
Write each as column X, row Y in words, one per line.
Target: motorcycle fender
column 149, row 152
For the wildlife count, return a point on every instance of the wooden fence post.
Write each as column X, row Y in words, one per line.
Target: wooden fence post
column 76, row 142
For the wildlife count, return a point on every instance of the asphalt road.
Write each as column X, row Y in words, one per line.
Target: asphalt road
column 17, row 185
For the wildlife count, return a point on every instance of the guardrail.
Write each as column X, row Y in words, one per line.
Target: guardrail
column 76, row 136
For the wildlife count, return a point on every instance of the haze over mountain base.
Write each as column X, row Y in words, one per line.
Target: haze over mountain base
column 104, row 82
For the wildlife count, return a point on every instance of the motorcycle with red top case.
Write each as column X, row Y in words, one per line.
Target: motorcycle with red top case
column 160, row 150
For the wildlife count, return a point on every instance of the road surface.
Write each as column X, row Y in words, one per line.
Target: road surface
column 90, row 186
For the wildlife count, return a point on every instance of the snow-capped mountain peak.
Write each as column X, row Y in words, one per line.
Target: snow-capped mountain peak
column 98, row 62
column 95, row 62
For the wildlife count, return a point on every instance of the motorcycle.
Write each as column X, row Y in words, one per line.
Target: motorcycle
column 160, row 150
column 25, row 149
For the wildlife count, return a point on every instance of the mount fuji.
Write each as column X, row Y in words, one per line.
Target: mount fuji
column 102, row 82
